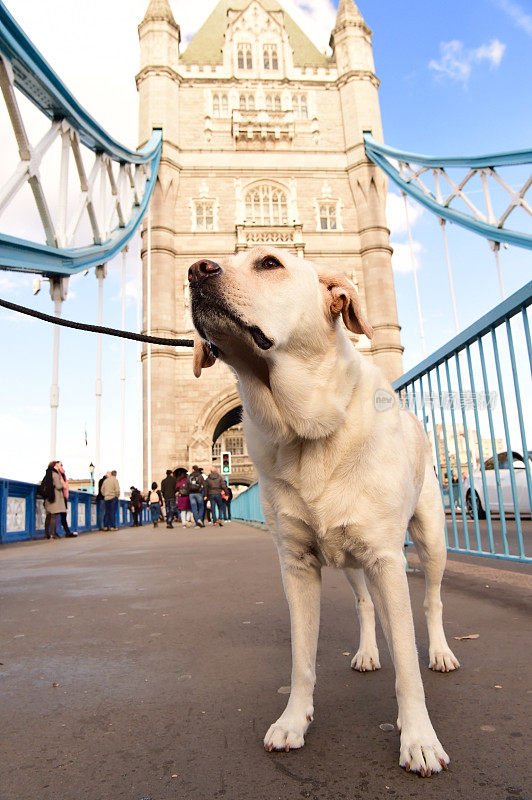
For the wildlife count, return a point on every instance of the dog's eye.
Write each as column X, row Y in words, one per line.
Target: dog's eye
column 270, row 262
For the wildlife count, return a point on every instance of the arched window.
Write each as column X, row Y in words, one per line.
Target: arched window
column 246, row 102
column 273, row 102
column 244, row 56
column 216, row 106
column 269, row 55
column 299, row 104
column 225, row 105
column 266, row 205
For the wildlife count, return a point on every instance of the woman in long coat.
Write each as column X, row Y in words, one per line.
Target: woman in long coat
column 183, row 501
column 54, row 488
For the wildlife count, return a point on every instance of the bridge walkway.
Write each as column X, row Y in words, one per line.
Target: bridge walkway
column 149, row 663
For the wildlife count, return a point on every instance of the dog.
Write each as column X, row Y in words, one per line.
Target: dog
column 340, row 481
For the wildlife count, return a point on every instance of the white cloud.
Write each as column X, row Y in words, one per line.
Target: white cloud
column 517, row 14
column 401, row 257
column 11, row 283
column 16, row 318
column 396, row 216
column 492, row 52
column 456, row 62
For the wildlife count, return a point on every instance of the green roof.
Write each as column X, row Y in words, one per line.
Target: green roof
column 205, row 47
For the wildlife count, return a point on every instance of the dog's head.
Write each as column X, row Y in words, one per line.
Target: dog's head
column 264, row 301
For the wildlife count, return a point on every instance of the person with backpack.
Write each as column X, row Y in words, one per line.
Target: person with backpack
column 155, row 501
column 214, row 485
column 183, row 502
column 196, row 494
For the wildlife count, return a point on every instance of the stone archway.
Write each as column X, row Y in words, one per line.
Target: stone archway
column 218, row 428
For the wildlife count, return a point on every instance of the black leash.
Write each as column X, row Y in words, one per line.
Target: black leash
column 82, row 326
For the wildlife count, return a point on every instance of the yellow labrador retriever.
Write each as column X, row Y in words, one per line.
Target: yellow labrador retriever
column 340, row 480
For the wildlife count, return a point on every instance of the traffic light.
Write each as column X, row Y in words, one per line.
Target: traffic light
column 226, row 463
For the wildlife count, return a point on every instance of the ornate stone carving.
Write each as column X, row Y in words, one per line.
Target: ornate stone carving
column 16, row 514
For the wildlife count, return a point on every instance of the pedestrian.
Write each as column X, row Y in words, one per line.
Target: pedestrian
column 54, row 499
column 196, row 494
column 183, row 502
column 135, row 505
column 100, row 501
column 63, row 514
column 155, row 501
column 227, row 496
column 214, row 484
column 169, row 488
column 111, row 493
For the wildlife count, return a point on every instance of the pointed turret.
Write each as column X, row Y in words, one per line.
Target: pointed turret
column 351, row 30
column 159, row 38
column 159, row 35
column 160, row 10
column 358, row 85
column 348, row 13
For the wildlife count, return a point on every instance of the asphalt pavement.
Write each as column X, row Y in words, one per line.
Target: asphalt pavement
column 148, row 664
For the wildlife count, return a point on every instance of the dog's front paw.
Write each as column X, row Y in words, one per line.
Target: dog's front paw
column 366, row 660
column 443, row 660
column 288, row 733
column 422, row 752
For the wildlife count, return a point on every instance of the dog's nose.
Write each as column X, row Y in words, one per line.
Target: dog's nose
column 202, row 270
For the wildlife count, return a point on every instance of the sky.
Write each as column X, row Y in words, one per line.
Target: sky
column 455, row 80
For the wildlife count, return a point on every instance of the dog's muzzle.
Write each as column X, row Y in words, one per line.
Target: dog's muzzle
column 199, row 272
column 206, row 302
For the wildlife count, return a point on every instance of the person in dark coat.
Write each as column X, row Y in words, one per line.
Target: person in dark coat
column 214, row 485
column 135, row 505
column 196, row 495
column 227, row 496
column 99, row 499
column 168, row 489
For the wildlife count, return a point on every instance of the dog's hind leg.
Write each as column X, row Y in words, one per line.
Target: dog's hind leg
column 367, row 656
column 427, row 530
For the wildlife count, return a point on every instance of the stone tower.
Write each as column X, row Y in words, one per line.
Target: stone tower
column 262, row 143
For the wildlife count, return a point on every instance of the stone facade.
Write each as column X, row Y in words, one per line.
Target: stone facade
column 262, row 143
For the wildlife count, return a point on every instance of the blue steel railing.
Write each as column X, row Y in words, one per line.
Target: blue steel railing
column 247, row 508
column 471, row 396
column 22, row 512
column 479, row 223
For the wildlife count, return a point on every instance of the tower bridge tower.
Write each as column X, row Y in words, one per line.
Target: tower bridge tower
column 263, row 143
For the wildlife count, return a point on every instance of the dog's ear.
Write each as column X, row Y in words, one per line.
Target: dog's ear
column 342, row 297
column 203, row 357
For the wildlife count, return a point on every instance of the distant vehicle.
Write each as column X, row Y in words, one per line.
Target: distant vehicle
column 521, row 486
